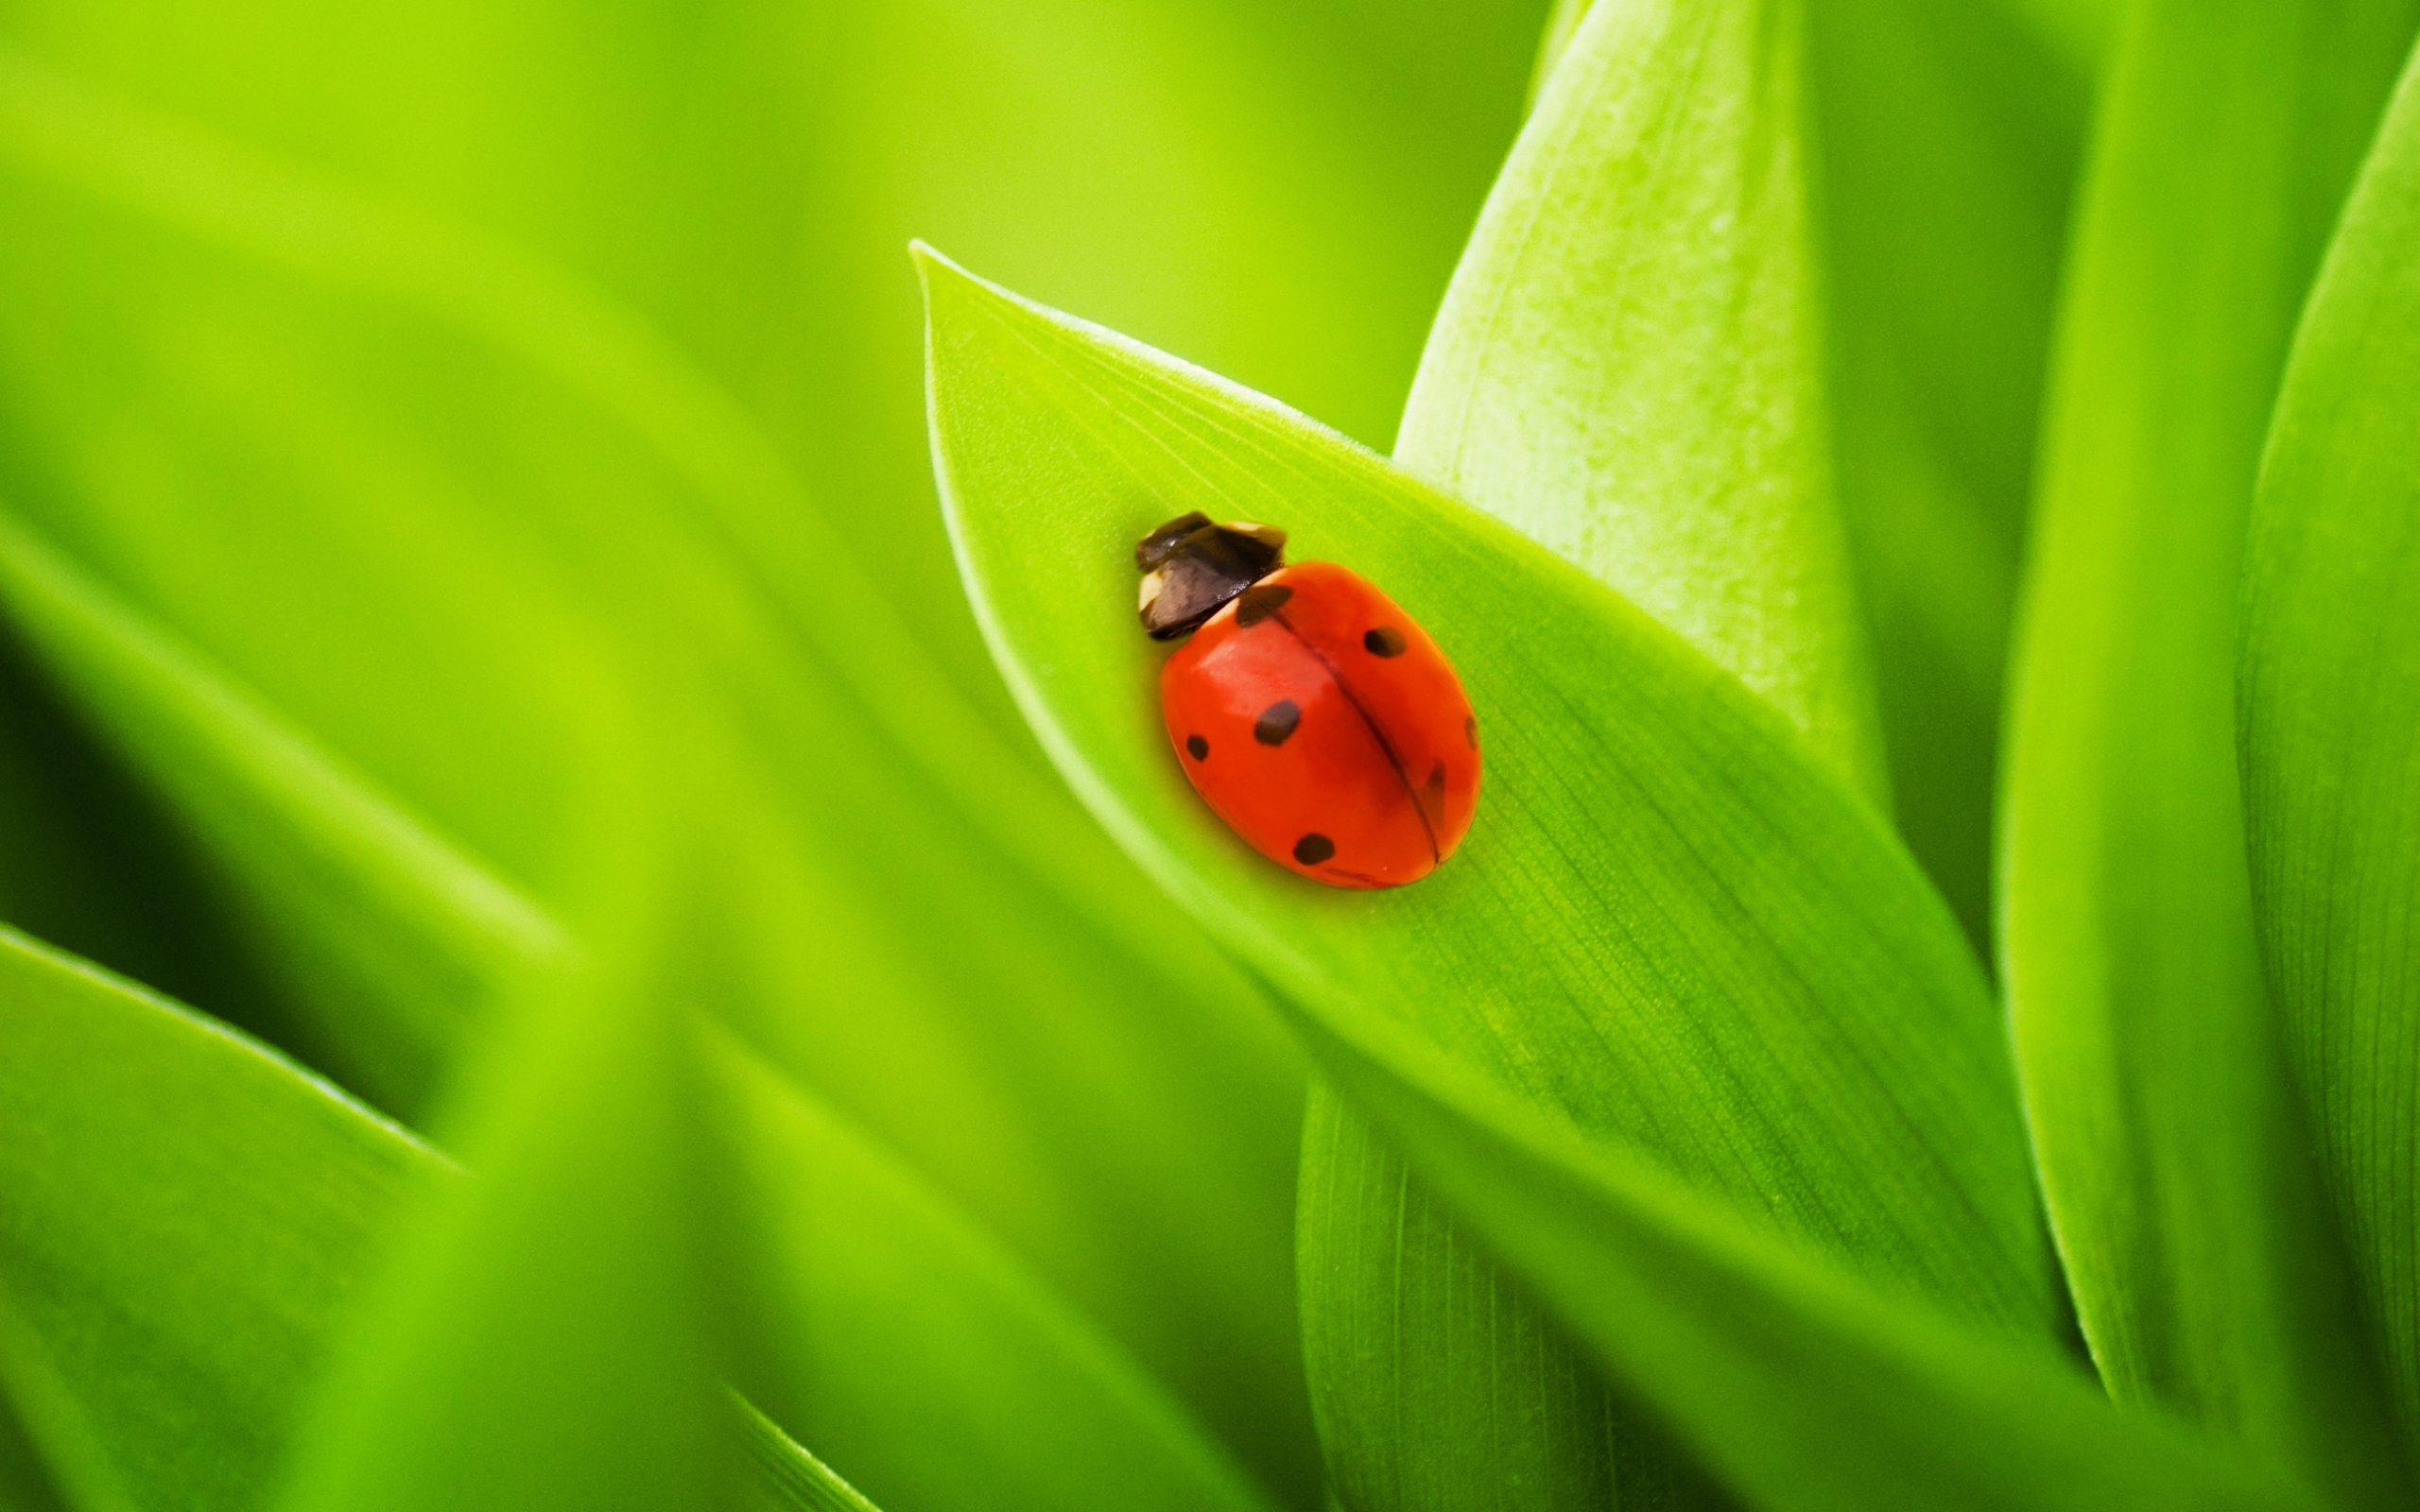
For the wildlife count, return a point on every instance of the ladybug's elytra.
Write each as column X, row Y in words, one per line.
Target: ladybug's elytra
column 1308, row 710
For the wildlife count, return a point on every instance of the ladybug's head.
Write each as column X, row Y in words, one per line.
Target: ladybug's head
column 1191, row 566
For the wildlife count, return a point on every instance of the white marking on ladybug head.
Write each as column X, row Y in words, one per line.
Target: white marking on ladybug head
column 1152, row 582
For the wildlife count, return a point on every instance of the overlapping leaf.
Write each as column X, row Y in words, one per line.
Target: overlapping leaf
column 2177, row 1166
column 1638, row 794
column 2329, row 725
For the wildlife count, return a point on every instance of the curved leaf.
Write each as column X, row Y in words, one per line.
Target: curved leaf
column 185, row 1222
column 1720, row 960
column 2329, row 725
column 2205, row 1267
column 1628, row 367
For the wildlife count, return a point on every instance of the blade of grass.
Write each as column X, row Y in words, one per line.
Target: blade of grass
column 2205, row 1264
column 2328, row 725
column 1720, row 960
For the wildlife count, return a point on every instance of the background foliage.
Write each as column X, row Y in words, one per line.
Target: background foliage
column 730, row 1003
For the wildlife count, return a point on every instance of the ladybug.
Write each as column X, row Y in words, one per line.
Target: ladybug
column 1308, row 710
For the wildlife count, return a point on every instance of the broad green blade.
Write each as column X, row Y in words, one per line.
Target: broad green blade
column 2205, row 1267
column 435, row 501
column 1948, row 142
column 1628, row 369
column 2328, row 717
column 1672, row 931
column 1805, row 1387
column 998, row 1394
column 1439, row 1379
column 391, row 939
column 185, row 1220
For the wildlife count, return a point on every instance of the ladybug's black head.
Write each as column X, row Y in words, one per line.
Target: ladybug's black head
column 1191, row 566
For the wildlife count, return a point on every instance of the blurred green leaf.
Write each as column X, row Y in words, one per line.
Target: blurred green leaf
column 389, row 936
column 1628, row 369
column 185, row 1220
column 1948, row 138
column 2329, row 724
column 546, row 1334
column 2201, row 1252
column 439, row 504
column 189, row 1222
column 1745, row 981
column 993, row 1394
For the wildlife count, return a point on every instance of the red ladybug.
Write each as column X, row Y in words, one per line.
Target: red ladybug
column 1308, row 710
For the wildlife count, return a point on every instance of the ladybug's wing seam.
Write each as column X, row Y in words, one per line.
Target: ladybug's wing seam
column 1386, row 745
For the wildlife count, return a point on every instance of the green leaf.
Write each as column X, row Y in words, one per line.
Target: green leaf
column 444, row 508
column 546, row 1334
column 2205, row 1264
column 1950, row 139
column 185, row 1220
column 1627, row 369
column 188, row 1223
column 1719, row 960
column 386, row 934
column 2329, row 702
column 997, row 1395
column 1806, row 1387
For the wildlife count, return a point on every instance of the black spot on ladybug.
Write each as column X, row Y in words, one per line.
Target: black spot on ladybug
column 1277, row 722
column 1436, row 784
column 1313, row 849
column 1257, row 604
column 1199, row 746
column 1384, row 641
column 1470, row 730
